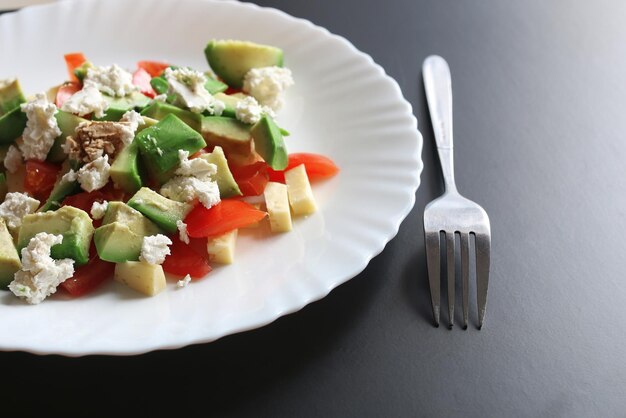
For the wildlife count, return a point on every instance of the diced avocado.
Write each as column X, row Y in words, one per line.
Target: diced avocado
column 74, row 224
column 269, row 143
column 67, row 124
column 159, row 84
column 12, row 125
column 11, row 96
column 158, row 110
column 9, row 258
column 125, row 171
column 81, row 71
column 60, row 190
column 120, row 105
column 230, row 103
column 162, row 211
column 231, row 60
column 159, row 146
column 214, row 86
column 145, row 278
column 230, row 134
column 3, row 186
column 224, row 178
column 122, row 232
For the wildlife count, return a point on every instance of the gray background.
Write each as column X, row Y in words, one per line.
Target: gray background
column 539, row 99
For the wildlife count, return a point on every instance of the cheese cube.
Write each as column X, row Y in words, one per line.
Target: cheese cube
column 221, row 249
column 277, row 204
column 145, row 278
column 299, row 189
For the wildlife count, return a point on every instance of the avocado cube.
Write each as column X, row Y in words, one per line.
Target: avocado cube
column 231, row 60
column 120, row 105
column 12, row 125
column 59, row 191
column 4, row 188
column 135, row 220
column 224, row 178
column 11, row 96
column 73, row 224
column 158, row 110
column 230, row 134
column 159, row 209
column 9, row 258
column 145, row 278
column 159, row 146
column 67, row 124
column 125, row 171
column 269, row 143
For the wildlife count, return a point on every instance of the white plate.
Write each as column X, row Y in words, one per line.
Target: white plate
column 343, row 105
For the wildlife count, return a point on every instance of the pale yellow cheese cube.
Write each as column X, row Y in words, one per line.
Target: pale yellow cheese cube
column 299, row 190
column 221, row 249
column 277, row 204
column 143, row 277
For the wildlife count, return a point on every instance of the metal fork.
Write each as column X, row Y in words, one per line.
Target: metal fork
column 451, row 215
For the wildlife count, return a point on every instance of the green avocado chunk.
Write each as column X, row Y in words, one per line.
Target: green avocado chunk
column 11, row 96
column 159, row 146
column 230, row 134
column 67, row 124
column 3, row 186
column 159, row 209
column 122, row 232
column 9, row 258
column 74, row 224
column 269, row 143
column 60, row 190
column 12, row 125
column 224, row 178
column 231, row 60
column 120, row 105
column 158, row 110
column 125, row 171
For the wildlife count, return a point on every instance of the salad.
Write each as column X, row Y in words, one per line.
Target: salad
column 134, row 175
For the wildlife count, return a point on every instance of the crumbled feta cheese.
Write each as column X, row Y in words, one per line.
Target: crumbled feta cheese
column 41, row 128
column 85, row 101
column 182, row 231
column 15, row 206
column 184, row 281
column 112, row 80
column 188, row 86
column 13, row 159
column 69, row 177
column 193, row 180
column 162, row 98
column 95, row 175
column 99, row 209
column 130, row 121
column 248, row 110
column 154, row 249
column 198, row 167
column 40, row 274
column 267, row 85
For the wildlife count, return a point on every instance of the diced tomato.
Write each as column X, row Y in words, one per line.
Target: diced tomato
column 184, row 259
column 198, row 153
column 317, row 167
column 73, row 61
column 89, row 276
column 224, row 217
column 232, row 90
column 154, row 68
column 65, row 92
column 141, row 79
column 251, row 178
column 40, row 178
column 84, row 200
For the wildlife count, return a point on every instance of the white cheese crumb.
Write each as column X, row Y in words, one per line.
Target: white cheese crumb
column 41, row 128
column 162, row 98
column 186, row 189
column 182, row 231
column 13, row 159
column 40, row 274
column 133, row 120
column 112, row 80
column 198, row 167
column 15, row 206
column 85, row 101
column 188, row 86
column 69, row 177
column 95, row 175
column 99, row 209
column 267, row 85
column 184, row 281
column 155, row 248
column 248, row 110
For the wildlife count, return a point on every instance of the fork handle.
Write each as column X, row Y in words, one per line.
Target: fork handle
column 438, row 86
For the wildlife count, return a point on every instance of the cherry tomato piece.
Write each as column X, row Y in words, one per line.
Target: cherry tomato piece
column 227, row 215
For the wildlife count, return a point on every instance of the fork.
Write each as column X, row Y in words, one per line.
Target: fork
column 451, row 216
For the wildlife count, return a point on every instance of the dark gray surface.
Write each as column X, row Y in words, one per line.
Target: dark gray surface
column 539, row 99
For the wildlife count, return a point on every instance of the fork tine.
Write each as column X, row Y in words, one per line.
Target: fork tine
column 465, row 276
column 483, row 248
column 451, row 276
column 432, row 262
